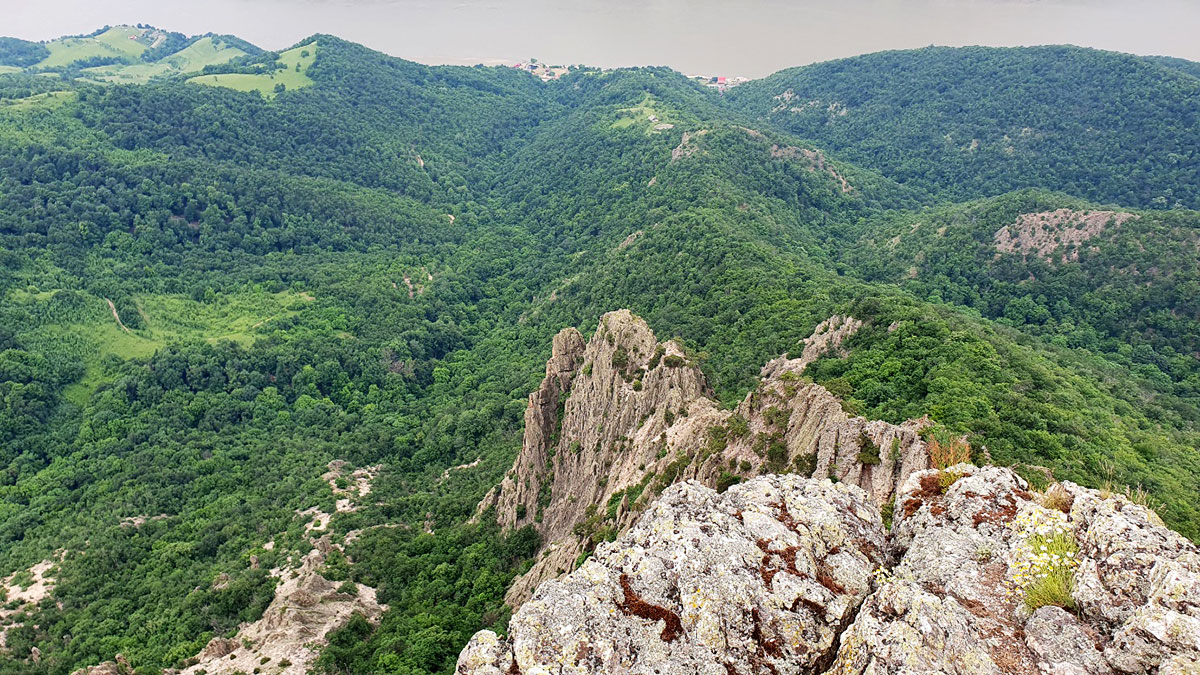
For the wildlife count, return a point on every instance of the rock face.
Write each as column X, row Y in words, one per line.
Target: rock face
column 307, row 607
column 288, row 637
column 1056, row 235
column 789, row 574
column 622, row 417
column 952, row 603
column 761, row 578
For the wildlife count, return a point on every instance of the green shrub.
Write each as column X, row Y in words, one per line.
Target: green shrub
column 620, row 358
column 738, row 426
column 727, row 480
column 869, row 452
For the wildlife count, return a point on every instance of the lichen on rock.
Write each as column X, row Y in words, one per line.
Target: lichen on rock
column 790, row 574
column 761, row 577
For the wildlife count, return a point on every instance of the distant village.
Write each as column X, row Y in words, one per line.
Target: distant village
column 548, row 72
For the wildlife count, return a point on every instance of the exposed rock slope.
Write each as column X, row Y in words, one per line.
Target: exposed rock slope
column 622, row 416
column 775, row 576
column 761, row 578
column 1056, row 234
column 307, row 607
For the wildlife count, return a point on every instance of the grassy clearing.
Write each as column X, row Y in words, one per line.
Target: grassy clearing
column 114, row 42
column 238, row 317
column 293, row 76
column 50, row 99
column 203, row 52
column 641, row 114
column 9, row 69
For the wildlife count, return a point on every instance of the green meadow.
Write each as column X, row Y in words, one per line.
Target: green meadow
column 203, row 52
column 114, row 42
column 294, row 75
column 91, row 334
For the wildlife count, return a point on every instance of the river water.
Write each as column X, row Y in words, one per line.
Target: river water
column 750, row 38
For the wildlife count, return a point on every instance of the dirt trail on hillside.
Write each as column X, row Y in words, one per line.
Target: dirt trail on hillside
column 116, row 316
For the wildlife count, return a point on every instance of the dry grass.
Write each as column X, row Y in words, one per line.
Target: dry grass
column 947, row 453
column 1056, row 498
column 1136, row 494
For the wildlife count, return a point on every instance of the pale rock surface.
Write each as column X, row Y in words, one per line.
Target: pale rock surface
column 1064, row 645
column 1139, row 578
column 119, row 666
column 944, row 608
column 761, row 578
column 705, row 582
column 306, row 608
column 622, row 416
column 18, row 598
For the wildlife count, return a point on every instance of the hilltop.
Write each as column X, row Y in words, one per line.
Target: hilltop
column 265, row 350
column 962, row 123
column 122, row 54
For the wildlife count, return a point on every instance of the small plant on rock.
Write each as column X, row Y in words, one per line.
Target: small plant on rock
column 945, row 452
column 1045, row 555
column 1056, row 498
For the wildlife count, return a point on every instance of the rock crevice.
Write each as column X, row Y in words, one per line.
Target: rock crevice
column 790, row 574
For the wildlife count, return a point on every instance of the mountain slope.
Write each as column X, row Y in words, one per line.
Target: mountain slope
column 1115, row 281
column 971, row 122
column 210, row 295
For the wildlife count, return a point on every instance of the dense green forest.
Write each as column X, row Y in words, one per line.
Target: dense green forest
column 370, row 268
column 978, row 121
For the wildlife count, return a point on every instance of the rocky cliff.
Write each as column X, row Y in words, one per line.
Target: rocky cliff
column 622, row 416
column 784, row 574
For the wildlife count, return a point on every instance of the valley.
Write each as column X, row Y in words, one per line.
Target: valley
column 322, row 360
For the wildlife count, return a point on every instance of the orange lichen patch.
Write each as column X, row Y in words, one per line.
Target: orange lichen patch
column 869, row 547
column 1047, row 232
column 931, row 486
column 769, row 645
column 811, row 606
column 784, row 516
column 634, row 605
column 998, row 514
column 826, row 579
column 788, row 555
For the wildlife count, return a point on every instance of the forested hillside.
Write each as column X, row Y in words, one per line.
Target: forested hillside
column 210, row 292
column 979, row 121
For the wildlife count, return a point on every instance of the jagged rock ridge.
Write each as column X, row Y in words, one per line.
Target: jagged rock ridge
column 622, row 416
column 762, row 577
column 709, row 583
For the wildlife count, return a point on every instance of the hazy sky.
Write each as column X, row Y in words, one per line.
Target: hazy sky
column 752, row 38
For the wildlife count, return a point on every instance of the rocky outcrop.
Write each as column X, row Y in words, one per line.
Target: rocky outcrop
column 623, row 416
column 956, row 602
column 119, row 666
column 789, row 574
column 20, row 596
column 1055, row 235
column 292, row 630
column 761, row 578
column 307, row 606
column 1140, row 579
